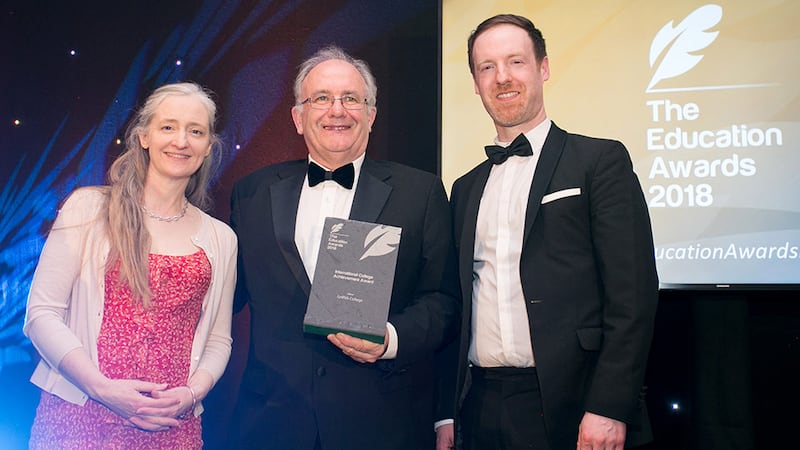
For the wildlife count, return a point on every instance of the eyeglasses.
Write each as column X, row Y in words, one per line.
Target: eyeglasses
column 324, row 101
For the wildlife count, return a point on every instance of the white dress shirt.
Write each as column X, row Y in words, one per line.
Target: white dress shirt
column 500, row 329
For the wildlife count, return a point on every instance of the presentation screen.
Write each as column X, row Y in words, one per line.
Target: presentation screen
column 705, row 96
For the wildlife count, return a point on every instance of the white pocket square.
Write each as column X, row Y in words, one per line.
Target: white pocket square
column 561, row 194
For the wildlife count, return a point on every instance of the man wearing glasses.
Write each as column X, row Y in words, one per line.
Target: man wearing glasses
column 303, row 391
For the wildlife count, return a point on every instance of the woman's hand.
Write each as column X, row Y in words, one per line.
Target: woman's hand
column 123, row 397
column 128, row 397
column 183, row 401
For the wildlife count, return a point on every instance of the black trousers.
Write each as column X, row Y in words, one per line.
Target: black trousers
column 503, row 410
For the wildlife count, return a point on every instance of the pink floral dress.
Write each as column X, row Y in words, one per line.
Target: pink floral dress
column 151, row 344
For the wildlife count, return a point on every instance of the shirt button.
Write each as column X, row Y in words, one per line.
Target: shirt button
column 321, row 371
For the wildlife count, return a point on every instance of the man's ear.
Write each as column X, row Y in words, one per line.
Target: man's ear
column 372, row 111
column 544, row 68
column 298, row 122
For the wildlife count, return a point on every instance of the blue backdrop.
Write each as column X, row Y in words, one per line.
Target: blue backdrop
column 73, row 75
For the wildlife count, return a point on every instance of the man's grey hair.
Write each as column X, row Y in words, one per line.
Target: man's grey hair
column 333, row 52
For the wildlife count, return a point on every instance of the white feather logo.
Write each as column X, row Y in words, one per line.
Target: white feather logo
column 380, row 241
column 689, row 36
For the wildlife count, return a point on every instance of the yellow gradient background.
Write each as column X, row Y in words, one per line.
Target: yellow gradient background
column 599, row 72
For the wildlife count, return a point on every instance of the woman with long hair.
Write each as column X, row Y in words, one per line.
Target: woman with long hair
column 130, row 305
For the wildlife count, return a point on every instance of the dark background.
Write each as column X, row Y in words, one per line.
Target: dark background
column 728, row 360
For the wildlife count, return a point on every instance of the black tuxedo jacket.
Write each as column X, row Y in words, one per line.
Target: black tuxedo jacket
column 298, row 385
column 588, row 277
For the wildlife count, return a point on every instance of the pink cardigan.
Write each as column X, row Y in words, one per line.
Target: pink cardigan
column 65, row 304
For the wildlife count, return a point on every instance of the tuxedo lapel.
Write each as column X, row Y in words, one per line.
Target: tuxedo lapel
column 372, row 192
column 285, row 196
column 545, row 167
column 470, row 224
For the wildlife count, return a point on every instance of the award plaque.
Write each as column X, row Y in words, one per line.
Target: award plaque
column 353, row 279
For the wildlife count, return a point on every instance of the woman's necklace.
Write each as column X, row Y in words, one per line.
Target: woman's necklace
column 174, row 218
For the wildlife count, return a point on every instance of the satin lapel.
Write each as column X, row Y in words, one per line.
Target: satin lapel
column 372, row 192
column 545, row 167
column 285, row 196
column 470, row 224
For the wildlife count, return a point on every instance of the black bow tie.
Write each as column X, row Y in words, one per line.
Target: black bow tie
column 343, row 175
column 520, row 147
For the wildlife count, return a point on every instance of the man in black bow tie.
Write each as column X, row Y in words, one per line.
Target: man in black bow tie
column 557, row 271
column 304, row 391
